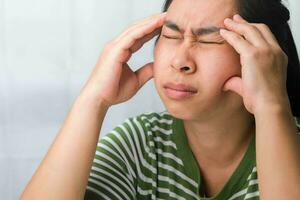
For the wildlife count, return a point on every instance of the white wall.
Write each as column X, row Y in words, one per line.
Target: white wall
column 47, row 51
column 294, row 6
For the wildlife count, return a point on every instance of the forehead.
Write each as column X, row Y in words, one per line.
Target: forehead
column 197, row 13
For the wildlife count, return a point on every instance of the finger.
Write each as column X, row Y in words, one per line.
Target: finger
column 131, row 38
column 250, row 32
column 144, row 73
column 140, row 24
column 139, row 43
column 234, row 84
column 267, row 34
column 264, row 30
column 149, row 18
column 143, row 22
column 241, row 45
column 239, row 18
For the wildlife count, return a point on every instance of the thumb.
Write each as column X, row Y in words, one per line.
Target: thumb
column 145, row 73
column 234, row 84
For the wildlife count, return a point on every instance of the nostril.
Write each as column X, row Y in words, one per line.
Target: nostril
column 185, row 68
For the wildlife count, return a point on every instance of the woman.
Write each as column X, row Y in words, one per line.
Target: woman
column 228, row 132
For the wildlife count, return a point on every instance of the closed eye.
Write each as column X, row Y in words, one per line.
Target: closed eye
column 168, row 37
column 206, row 42
column 203, row 42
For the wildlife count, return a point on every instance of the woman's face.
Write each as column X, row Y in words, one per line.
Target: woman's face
column 203, row 61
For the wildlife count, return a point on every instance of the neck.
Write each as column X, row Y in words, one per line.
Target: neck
column 222, row 139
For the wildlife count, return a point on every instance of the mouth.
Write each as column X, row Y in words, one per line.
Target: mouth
column 179, row 91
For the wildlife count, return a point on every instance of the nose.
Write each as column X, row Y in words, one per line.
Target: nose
column 183, row 60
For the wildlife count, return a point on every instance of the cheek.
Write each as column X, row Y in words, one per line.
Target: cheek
column 162, row 58
column 215, row 64
column 218, row 66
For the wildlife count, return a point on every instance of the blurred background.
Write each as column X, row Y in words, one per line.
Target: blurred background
column 48, row 49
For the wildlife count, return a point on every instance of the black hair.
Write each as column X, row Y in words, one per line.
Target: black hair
column 276, row 16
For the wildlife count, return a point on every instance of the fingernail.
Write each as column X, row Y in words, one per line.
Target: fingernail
column 228, row 20
column 161, row 14
column 238, row 17
column 164, row 15
column 222, row 31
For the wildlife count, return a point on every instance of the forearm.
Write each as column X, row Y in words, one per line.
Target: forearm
column 64, row 171
column 278, row 154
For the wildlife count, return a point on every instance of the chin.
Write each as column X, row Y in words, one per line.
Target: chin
column 194, row 108
column 199, row 109
column 186, row 111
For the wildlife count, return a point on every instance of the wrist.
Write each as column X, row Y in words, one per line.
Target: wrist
column 282, row 106
column 92, row 99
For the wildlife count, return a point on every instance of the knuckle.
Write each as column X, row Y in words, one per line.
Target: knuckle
column 266, row 51
column 242, row 28
column 283, row 56
column 247, row 27
column 233, row 37
column 262, row 25
column 278, row 51
column 137, row 22
column 109, row 45
column 237, row 36
column 251, row 28
column 253, row 53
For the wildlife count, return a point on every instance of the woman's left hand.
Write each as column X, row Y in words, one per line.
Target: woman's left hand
column 264, row 64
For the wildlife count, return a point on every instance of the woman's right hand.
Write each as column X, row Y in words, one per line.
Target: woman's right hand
column 112, row 81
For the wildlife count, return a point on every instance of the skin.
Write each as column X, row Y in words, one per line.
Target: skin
column 218, row 151
column 61, row 178
column 262, row 66
column 242, row 79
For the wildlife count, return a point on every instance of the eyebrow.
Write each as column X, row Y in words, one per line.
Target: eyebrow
column 198, row 32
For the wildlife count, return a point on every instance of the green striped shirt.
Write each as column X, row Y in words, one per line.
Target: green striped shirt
column 148, row 157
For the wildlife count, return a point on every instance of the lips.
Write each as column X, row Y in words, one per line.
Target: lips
column 179, row 92
column 180, row 87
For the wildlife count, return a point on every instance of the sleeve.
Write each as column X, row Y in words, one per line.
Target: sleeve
column 112, row 174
